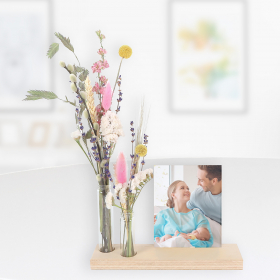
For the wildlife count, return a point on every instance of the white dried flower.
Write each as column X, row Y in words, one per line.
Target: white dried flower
column 73, row 78
column 62, row 63
column 117, row 188
column 109, row 200
column 73, row 87
column 141, row 175
column 70, row 67
column 111, row 127
column 150, row 171
column 76, row 135
column 83, row 94
column 85, row 114
column 134, row 183
column 139, row 178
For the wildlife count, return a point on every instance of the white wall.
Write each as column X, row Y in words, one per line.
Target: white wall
column 143, row 25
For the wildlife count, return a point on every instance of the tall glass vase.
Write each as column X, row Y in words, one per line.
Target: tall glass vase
column 105, row 217
column 127, row 234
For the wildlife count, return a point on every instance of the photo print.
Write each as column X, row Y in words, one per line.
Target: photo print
column 187, row 206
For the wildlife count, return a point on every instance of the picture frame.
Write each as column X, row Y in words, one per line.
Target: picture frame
column 188, row 206
column 25, row 35
column 207, row 61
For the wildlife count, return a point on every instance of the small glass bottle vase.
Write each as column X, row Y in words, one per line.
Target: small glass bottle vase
column 127, row 234
column 105, row 218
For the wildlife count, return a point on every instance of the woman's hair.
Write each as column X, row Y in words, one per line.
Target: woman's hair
column 171, row 189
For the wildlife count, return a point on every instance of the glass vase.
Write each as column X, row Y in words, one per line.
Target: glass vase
column 127, row 234
column 105, row 217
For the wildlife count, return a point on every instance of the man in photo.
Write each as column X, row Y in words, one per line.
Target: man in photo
column 208, row 197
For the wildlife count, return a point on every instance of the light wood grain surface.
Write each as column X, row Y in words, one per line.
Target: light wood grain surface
column 148, row 257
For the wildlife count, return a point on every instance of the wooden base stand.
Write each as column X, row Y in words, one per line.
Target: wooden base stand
column 148, row 257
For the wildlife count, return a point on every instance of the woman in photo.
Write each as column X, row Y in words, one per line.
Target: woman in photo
column 178, row 220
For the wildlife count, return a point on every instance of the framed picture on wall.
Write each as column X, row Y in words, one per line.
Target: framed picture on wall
column 207, row 56
column 25, row 33
column 187, row 206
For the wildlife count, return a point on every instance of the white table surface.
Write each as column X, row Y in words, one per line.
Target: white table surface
column 48, row 222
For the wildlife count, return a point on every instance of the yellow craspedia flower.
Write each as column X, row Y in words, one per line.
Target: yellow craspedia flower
column 125, row 51
column 141, row 150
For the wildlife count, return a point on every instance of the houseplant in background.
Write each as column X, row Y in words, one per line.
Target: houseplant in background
column 127, row 191
column 98, row 126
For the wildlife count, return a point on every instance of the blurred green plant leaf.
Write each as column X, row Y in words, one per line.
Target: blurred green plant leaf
column 83, row 75
column 53, row 50
column 82, row 86
column 82, row 108
column 79, row 69
column 31, row 97
column 40, row 94
column 65, row 41
column 88, row 134
column 67, row 101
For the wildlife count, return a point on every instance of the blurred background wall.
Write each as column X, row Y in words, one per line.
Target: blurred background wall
column 37, row 135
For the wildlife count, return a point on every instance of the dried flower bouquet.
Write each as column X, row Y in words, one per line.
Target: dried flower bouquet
column 127, row 191
column 104, row 127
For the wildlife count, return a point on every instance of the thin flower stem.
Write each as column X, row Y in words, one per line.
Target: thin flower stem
column 85, row 141
column 78, row 142
column 77, row 59
column 118, row 206
column 117, row 77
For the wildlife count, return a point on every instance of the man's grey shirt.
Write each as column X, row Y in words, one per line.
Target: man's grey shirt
column 209, row 204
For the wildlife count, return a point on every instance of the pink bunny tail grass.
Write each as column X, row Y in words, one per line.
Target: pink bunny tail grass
column 121, row 168
column 107, row 97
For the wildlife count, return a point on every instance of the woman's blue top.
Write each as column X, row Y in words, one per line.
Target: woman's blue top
column 168, row 221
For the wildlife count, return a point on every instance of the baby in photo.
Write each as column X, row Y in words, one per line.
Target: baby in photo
column 200, row 234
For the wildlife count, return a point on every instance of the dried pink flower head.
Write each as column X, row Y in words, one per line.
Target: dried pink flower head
column 98, row 108
column 96, row 88
column 101, row 90
column 97, row 67
column 103, row 80
column 105, row 64
column 102, row 51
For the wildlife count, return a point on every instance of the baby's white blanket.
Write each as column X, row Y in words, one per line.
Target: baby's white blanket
column 178, row 241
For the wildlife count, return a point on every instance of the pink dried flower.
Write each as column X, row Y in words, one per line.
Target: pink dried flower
column 105, row 64
column 101, row 90
column 103, row 79
column 96, row 88
column 97, row 67
column 102, row 51
column 98, row 108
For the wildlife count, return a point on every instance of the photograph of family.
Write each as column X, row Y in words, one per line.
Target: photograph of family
column 187, row 206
